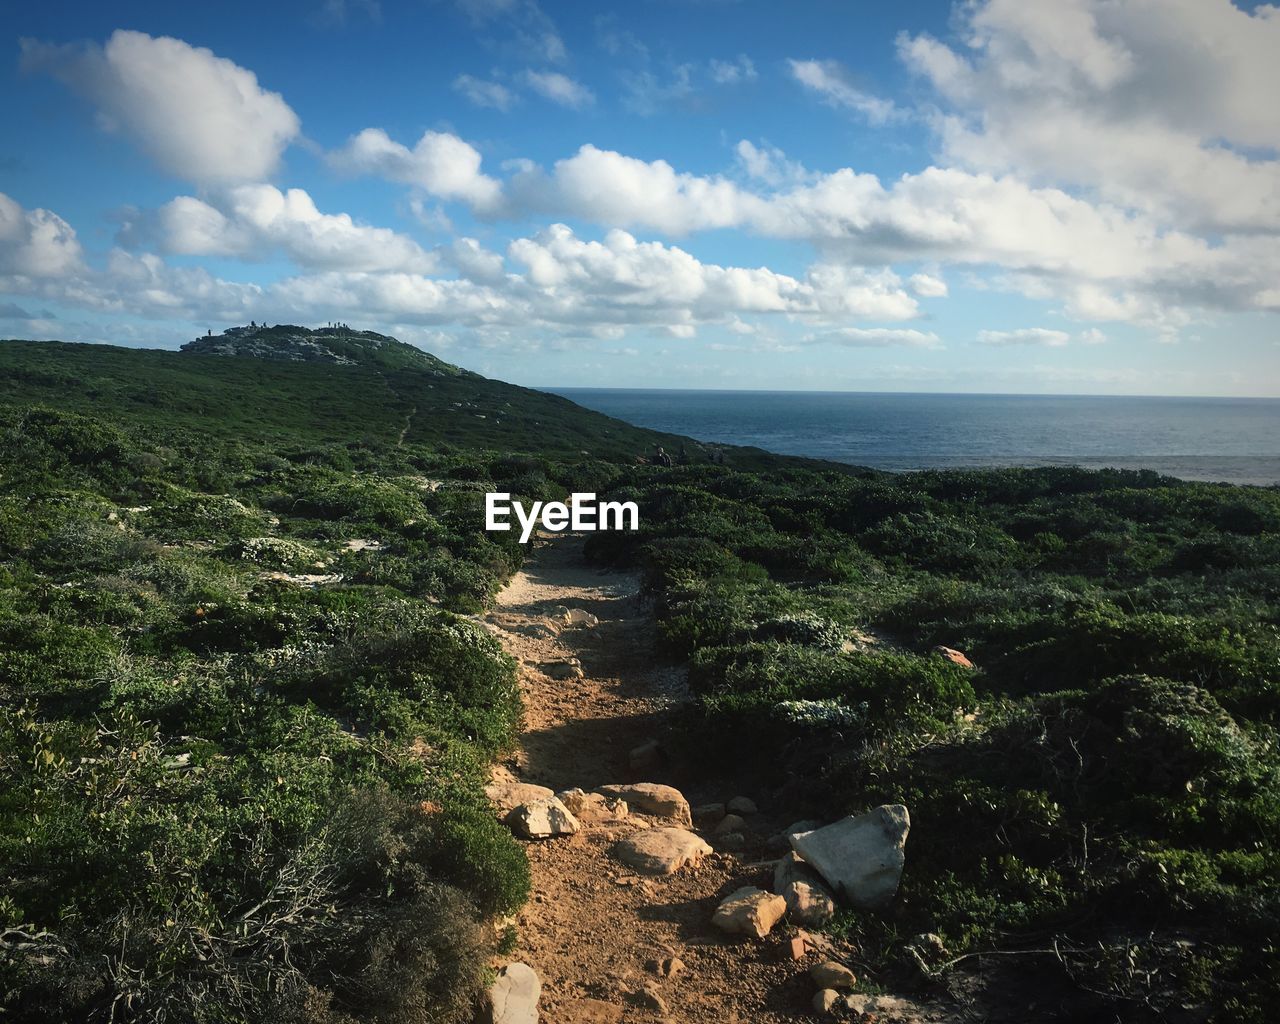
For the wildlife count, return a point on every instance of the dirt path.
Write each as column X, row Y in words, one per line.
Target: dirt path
column 594, row 931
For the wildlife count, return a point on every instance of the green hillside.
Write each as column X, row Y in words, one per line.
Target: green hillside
column 260, row 400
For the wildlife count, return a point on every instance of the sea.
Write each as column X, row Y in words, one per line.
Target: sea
column 1234, row 440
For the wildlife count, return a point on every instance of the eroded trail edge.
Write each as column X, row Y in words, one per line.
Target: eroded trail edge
column 608, row 942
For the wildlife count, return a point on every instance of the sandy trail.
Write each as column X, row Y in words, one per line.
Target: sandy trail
column 594, row 931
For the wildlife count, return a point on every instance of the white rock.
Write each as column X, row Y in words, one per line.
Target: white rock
column 513, row 997
column 861, row 857
column 749, row 911
column 652, row 798
column 662, row 851
column 507, row 796
column 543, row 819
column 742, row 805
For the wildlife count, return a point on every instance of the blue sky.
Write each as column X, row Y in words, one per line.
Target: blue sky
column 1061, row 196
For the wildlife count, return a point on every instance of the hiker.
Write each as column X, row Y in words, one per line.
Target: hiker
column 663, row 458
column 683, row 457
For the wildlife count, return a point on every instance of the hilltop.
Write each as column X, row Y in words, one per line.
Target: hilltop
column 338, row 344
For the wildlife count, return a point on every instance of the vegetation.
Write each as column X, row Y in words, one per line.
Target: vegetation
column 1099, row 801
column 245, row 719
column 245, row 716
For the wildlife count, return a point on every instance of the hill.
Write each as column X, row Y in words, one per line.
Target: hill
column 288, row 384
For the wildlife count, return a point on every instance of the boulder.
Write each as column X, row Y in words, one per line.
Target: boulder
column 954, row 656
column 662, row 851
column 729, row 823
column 507, row 796
column 809, row 901
column 513, row 997
column 742, row 805
column 861, row 857
column 830, row 974
column 749, row 911
column 542, row 819
column 592, row 808
column 652, row 798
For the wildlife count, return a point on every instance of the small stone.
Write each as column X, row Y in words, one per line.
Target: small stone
column 954, row 656
column 543, row 819
column 671, row 966
column 749, row 911
column 729, row 823
column 742, row 805
column 513, row 997
column 662, row 851
column 826, row 1000
column 830, row 974
column 650, row 998
column 652, row 798
column 644, row 756
column 797, row 948
column 708, row 814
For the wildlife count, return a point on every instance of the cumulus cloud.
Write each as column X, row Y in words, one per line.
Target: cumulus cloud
column 199, row 116
column 254, row 220
column 834, row 84
column 1042, row 336
column 559, row 88
column 36, row 243
column 440, row 163
column 1162, row 106
column 485, row 93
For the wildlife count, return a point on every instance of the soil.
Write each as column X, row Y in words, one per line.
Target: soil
column 595, row 932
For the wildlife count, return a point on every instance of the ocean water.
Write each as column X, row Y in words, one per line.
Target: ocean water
column 1228, row 439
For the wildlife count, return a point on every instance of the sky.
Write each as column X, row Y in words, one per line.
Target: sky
column 1057, row 196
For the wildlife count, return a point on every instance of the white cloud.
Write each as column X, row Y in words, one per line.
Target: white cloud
column 252, row 220
column 732, row 72
column 1161, row 105
column 1042, row 336
column 558, row 88
column 199, row 116
column 484, row 93
column 769, row 165
column 441, row 164
column 35, row 243
column 876, row 337
column 834, row 84
column 620, row 191
column 927, row 286
column 1092, row 336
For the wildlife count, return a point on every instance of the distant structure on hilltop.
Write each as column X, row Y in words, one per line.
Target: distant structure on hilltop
column 335, row 343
